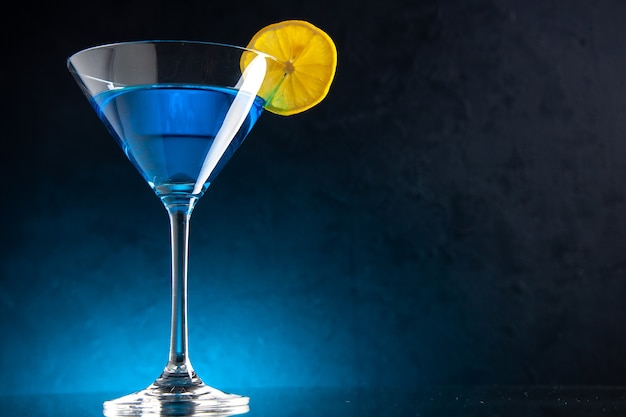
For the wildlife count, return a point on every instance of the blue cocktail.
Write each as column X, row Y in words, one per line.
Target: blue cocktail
column 179, row 110
column 176, row 135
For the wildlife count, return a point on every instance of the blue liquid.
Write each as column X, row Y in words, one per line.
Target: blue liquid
column 169, row 131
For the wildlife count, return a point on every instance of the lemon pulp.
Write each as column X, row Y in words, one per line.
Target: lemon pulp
column 304, row 72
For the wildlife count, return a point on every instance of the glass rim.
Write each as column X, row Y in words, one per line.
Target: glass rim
column 169, row 41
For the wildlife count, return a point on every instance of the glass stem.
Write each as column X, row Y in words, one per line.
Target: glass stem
column 179, row 367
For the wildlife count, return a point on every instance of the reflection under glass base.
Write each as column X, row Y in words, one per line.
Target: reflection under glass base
column 178, row 396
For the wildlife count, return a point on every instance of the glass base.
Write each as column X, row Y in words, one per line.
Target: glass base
column 166, row 397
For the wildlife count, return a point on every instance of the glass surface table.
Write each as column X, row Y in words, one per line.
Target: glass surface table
column 457, row 401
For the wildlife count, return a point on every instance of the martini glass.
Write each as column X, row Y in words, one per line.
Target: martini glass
column 179, row 110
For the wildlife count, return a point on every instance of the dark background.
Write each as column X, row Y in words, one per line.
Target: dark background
column 452, row 213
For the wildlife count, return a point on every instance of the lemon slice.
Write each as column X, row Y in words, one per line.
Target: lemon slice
column 307, row 60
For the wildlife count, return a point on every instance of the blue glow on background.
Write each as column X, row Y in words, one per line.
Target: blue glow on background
column 302, row 281
column 270, row 303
